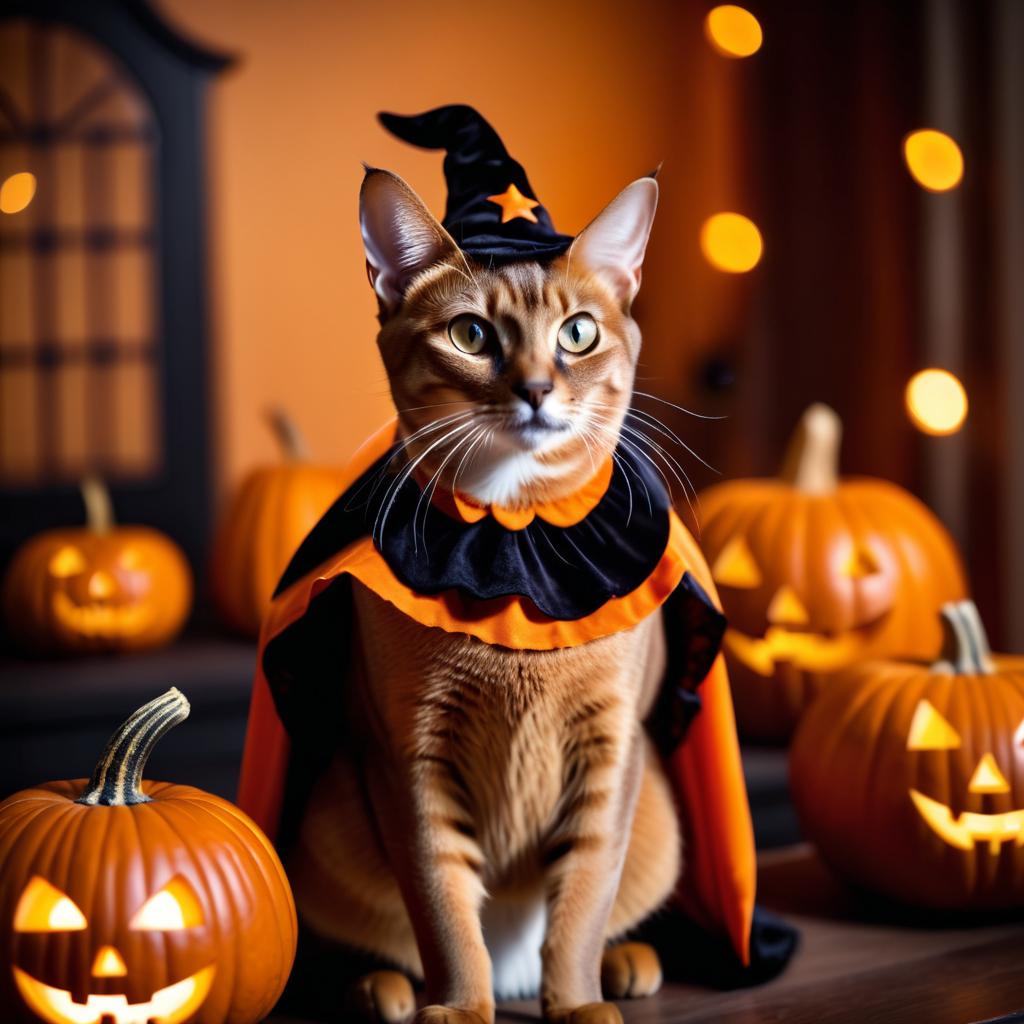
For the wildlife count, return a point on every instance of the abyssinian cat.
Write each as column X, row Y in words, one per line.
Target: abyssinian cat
column 496, row 817
column 510, row 812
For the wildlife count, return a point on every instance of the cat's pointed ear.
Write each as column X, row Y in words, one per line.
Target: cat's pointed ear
column 612, row 245
column 400, row 235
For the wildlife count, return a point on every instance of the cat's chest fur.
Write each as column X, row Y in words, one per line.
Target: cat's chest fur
column 518, row 728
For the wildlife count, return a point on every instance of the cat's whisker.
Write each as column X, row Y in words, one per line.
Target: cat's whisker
column 391, row 495
column 401, row 447
column 648, row 419
column 637, row 450
column 486, row 436
column 428, row 491
column 428, row 428
column 551, row 544
column 625, row 463
column 582, row 434
column 590, row 452
column 424, row 493
column 634, row 448
column 670, row 461
column 629, row 489
column 396, row 485
column 666, row 432
column 671, row 464
column 689, row 412
column 434, row 405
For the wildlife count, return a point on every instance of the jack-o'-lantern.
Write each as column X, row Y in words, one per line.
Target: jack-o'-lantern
column 101, row 587
column 818, row 573
column 910, row 777
column 266, row 520
column 123, row 902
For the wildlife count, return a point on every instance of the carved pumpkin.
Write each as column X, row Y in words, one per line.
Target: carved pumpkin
column 125, row 903
column 266, row 520
column 101, row 587
column 817, row 574
column 910, row 777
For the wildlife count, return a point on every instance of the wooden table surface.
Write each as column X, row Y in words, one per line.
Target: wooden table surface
column 857, row 964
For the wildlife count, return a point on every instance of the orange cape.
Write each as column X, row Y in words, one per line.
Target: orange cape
column 718, row 884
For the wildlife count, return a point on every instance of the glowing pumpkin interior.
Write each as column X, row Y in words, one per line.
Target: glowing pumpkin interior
column 931, row 731
column 102, row 595
column 43, row 908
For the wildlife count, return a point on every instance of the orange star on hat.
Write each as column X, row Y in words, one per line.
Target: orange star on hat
column 514, row 204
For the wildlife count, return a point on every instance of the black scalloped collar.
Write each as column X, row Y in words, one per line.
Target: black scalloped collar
column 567, row 572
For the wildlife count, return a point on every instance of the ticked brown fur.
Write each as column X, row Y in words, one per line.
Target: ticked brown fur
column 488, row 781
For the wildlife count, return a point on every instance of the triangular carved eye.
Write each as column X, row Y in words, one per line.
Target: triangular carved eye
column 44, row 908
column 735, row 566
column 861, row 563
column 173, row 908
column 68, row 561
column 930, row 731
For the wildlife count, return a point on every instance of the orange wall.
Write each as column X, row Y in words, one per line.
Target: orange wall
column 588, row 95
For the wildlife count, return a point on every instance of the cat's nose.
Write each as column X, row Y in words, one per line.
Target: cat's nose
column 533, row 391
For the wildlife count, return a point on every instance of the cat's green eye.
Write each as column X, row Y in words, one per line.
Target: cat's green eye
column 578, row 334
column 470, row 333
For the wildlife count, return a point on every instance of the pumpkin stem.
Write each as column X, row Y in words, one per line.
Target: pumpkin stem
column 117, row 778
column 965, row 649
column 289, row 437
column 99, row 510
column 811, row 463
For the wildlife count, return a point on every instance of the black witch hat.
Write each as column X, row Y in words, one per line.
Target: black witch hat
column 492, row 213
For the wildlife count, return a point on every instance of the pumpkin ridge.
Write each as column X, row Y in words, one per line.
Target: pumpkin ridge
column 241, row 823
column 222, row 812
column 211, row 866
column 91, row 852
column 876, row 708
column 40, row 834
column 858, row 524
column 204, row 867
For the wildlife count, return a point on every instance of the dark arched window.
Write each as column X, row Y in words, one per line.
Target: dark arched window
column 79, row 335
column 103, row 356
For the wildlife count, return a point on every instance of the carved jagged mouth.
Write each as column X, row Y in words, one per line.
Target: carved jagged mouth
column 170, row 1005
column 964, row 831
column 101, row 620
column 815, row 651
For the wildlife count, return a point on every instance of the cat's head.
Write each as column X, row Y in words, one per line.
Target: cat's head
column 511, row 382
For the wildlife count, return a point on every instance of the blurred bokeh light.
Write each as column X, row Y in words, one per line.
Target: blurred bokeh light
column 936, row 402
column 731, row 242
column 733, row 31
column 934, row 160
column 17, row 192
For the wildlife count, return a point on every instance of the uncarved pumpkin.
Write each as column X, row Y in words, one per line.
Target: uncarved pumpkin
column 123, row 901
column 909, row 777
column 101, row 587
column 266, row 520
column 818, row 573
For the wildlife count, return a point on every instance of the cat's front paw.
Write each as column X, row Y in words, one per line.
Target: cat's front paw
column 590, row 1013
column 450, row 1015
column 383, row 997
column 630, row 970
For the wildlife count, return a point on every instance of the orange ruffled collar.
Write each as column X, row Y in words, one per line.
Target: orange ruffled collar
column 566, row 511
